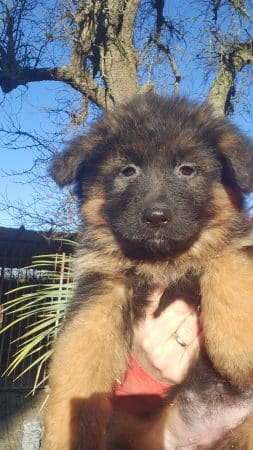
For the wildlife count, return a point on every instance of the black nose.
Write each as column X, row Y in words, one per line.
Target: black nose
column 157, row 215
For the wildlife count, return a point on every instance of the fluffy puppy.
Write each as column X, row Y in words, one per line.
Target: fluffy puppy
column 160, row 184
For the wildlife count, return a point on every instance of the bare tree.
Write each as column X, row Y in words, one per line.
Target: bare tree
column 104, row 58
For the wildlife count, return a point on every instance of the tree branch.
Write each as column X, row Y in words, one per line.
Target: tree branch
column 166, row 50
column 102, row 66
column 158, row 5
column 232, row 62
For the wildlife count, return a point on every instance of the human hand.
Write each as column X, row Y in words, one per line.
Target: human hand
column 168, row 346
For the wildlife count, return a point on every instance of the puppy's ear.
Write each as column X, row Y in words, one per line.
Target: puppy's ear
column 66, row 165
column 234, row 150
column 237, row 154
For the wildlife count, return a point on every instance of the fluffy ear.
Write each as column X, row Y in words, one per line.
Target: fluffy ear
column 233, row 149
column 66, row 165
column 237, row 152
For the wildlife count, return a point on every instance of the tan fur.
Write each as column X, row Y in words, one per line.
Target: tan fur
column 93, row 338
column 76, row 382
column 92, row 209
column 109, row 263
column 229, row 140
column 239, row 439
column 227, row 311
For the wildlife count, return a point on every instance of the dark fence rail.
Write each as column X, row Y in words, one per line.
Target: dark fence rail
column 17, row 249
column 9, row 341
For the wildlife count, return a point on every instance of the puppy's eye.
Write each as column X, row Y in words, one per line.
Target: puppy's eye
column 129, row 171
column 186, row 170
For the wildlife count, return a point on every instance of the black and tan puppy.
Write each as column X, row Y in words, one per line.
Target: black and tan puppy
column 160, row 185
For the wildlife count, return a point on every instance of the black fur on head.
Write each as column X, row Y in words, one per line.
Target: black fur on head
column 157, row 160
column 151, row 114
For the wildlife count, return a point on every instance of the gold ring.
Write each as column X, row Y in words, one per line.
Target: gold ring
column 179, row 340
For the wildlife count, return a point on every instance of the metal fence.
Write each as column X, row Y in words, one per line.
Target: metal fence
column 10, row 279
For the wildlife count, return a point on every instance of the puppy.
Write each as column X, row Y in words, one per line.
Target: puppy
column 160, row 184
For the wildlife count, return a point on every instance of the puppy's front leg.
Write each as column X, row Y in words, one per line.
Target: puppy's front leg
column 227, row 315
column 89, row 355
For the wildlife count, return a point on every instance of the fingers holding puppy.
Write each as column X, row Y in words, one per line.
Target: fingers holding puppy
column 168, row 346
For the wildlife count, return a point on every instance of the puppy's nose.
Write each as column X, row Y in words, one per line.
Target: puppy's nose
column 156, row 216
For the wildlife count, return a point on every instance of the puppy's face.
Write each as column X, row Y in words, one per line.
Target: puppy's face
column 155, row 165
column 158, row 191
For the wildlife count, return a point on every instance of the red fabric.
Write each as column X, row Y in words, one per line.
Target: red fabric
column 140, row 392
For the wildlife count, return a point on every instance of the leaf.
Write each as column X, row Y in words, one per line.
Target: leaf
column 41, row 309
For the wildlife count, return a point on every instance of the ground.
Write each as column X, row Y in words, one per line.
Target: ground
column 15, row 408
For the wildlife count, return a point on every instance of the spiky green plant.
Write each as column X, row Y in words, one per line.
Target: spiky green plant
column 44, row 306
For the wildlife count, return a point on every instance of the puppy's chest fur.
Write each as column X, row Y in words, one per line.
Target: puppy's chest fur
column 178, row 277
column 100, row 258
column 186, row 288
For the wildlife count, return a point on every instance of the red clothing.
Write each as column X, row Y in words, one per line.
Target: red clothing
column 141, row 392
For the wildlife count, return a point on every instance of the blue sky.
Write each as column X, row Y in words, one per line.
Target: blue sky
column 29, row 106
column 29, row 110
